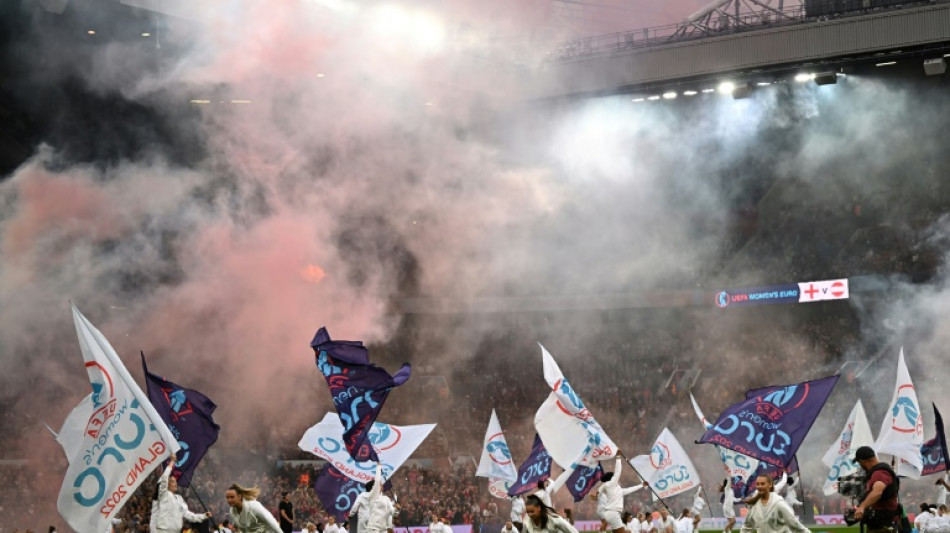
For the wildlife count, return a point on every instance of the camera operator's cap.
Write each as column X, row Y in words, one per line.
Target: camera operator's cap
column 863, row 453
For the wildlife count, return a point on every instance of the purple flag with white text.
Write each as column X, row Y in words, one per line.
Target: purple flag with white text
column 934, row 451
column 338, row 492
column 771, row 423
column 358, row 389
column 582, row 480
column 187, row 413
column 535, row 468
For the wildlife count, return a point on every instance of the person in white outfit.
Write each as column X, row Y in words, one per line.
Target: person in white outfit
column 380, row 507
column 547, row 488
column 331, row 526
column 791, row 495
column 247, row 514
column 942, row 491
column 699, row 503
column 684, row 524
column 517, row 512
column 510, row 528
column 923, row 519
column 436, row 525
column 612, row 495
column 170, row 508
column 665, row 523
column 728, row 505
column 768, row 512
column 630, row 522
column 362, row 504
column 542, row 518
column 941, row 522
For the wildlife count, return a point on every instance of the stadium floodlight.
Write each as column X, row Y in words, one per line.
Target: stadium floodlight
column 764, row 83
column 826, row 78
column 804, row 77
column 689, row 93
column 886, row 64
column 669, row 95
column 654, row 97
column 742, row 91
column 707, row 91
column 727, row 87
column 638, row 99
column 935, row 67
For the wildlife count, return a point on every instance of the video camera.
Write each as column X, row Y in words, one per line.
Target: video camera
column 853, row 486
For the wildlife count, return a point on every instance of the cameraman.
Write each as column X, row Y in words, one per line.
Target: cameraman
column 879, row 511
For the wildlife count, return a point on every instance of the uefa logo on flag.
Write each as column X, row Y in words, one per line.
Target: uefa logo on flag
column 780, row 401
column 384, row 436
column 498, row 449
column 905, row 414
column 660, row 456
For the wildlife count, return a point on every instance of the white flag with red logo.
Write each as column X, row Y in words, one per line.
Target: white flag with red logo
column 902, row 431
column 667, row 469
column 122, row 438
column 816, row 291
column 839, row 457
column 569, row 431
column 496, row 459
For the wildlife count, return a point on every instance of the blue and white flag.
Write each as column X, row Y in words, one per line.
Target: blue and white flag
column 535, row 468
column 902, row 430
column 582, row 480
column 771, row 423
column 667, row 469
column 123, row 438
column 738, row 467
column 496, row 461
column 358, row 388
column 569, row 431
column 840, row 456
column 395, row 444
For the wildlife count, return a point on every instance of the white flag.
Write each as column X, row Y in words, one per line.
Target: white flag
column 122, row 438
column 496, row 459
column 699, row 412
column 394, row 444
column 498, row 488
column 667, row 469
column 569, row 431
column 902, row 431
column 839, row 457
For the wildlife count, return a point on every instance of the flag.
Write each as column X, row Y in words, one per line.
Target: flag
column 668, row 468
column 738, row 467
column 358, row 388
column 699, row 413
column 123, row 438
column 840, row 456
column 902, row 431
column 338, row 492
column 496, row 461
column 535, row 468
column 395, row 444
column 570, row 432
column 71, row 434
column 932, row 452
column 498, row 487
column 187, row 413
column 941, row 438
column 771, row 423
column 582, row 480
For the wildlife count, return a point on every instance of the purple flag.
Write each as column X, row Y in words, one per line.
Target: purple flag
column 934, row 451
column 187, row 413
column 772, row 422
column 358, row 388
column 582, row 480
column 338, row 492
column 535, row 468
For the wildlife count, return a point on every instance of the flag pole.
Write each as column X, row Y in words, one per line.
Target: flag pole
column 643, row 479
column 194, row 492
column 706, row 497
